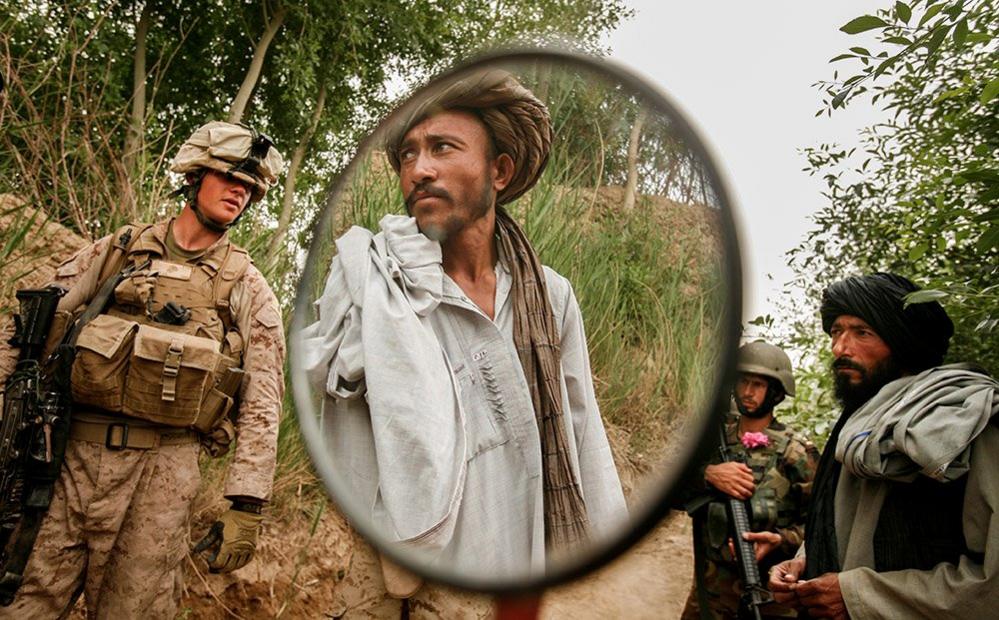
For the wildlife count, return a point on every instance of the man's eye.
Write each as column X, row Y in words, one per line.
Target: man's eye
column 441, row 147
column 406, row 155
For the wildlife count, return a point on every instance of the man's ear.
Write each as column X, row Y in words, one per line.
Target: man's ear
column 503, row 169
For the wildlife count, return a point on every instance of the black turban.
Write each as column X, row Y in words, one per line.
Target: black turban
column 918, row 335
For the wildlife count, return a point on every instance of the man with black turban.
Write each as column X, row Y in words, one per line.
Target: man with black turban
column 478, row 437
column 904, row 521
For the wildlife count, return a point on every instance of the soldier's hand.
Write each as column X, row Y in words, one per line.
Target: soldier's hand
column 238, row 540
column 732, row 478
column 763, row 542
column 822, row 597
column 783, row 581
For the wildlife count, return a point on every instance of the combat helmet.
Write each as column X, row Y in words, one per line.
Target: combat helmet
column 232, row 149
column 762, row 358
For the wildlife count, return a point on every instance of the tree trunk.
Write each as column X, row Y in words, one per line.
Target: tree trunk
column 287, row 198
column 633, row 141
column 136, row 124
column 253, row 73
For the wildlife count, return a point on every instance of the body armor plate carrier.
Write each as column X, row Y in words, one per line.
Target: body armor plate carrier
column 169, row 349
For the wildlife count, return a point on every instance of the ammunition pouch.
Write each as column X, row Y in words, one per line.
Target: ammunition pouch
column 143, row 371
column 717, row 532
column 763, row 510
column 216, row 443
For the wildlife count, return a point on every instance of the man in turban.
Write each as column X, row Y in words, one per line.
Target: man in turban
column 904, row 521
column 459, row 401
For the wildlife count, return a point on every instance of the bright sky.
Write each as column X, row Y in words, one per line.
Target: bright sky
column 742, row 72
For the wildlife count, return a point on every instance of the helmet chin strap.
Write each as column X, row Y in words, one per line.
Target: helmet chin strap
column 207, row 223
column 773, row 397
column 191, row 193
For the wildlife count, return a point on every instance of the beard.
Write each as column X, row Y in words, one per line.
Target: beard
column 754, row 414
column 854, row 395
column 476, row 208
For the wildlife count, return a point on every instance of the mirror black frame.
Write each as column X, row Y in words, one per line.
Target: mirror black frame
column 655, row 508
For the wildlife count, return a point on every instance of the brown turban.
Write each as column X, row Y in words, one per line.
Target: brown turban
column 518, row 123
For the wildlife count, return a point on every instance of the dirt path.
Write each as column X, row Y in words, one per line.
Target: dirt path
column 334, row 574
column 649, row 581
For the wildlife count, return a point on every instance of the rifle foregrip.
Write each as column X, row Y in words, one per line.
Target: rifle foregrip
column 744, row 548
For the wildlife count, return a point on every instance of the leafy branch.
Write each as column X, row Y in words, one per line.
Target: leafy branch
column 964, row 22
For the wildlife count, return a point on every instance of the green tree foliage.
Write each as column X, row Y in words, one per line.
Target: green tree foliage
column 330, row 71
column 918, row 195
column 600, row 118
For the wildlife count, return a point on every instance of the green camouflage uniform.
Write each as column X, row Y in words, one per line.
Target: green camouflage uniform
column 783, row 472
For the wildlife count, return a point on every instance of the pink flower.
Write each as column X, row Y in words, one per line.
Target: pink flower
column 755, row 440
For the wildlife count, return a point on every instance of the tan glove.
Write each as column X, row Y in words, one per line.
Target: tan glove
column 235, row 534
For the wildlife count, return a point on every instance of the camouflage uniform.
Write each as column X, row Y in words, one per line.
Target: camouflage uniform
column 117, row 528
column 782, row 472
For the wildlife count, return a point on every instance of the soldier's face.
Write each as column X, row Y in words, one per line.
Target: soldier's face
column 751, row 390
column 862, row 361
column 448, row 174
column 222, row 198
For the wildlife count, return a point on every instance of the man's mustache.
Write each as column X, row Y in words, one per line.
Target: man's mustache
column 427, row 190
column 845, row 362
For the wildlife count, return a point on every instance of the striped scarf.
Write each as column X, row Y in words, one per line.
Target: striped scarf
column 536, row 339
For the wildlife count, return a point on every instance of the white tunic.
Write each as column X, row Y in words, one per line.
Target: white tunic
column 487, row 445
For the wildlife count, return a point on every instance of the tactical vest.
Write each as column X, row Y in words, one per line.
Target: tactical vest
column 184, row 373
column 774, row 504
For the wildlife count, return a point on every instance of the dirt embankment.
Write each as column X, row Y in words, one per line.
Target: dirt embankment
column 32, row 265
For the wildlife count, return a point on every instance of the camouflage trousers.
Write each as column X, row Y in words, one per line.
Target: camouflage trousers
column 117, row 530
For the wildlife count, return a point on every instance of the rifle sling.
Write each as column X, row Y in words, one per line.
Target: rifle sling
column 100, row 301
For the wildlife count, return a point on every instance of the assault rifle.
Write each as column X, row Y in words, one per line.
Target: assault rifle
column 35, row 425
column 754, row 593
column 33, row 434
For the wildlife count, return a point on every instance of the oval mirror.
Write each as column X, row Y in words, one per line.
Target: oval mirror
column 516, row 319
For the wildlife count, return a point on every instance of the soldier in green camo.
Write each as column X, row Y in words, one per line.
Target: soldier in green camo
column 774, row 475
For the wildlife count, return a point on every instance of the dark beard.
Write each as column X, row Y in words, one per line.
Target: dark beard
column 753, row 414
column 853, row 396
column 454, row 223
